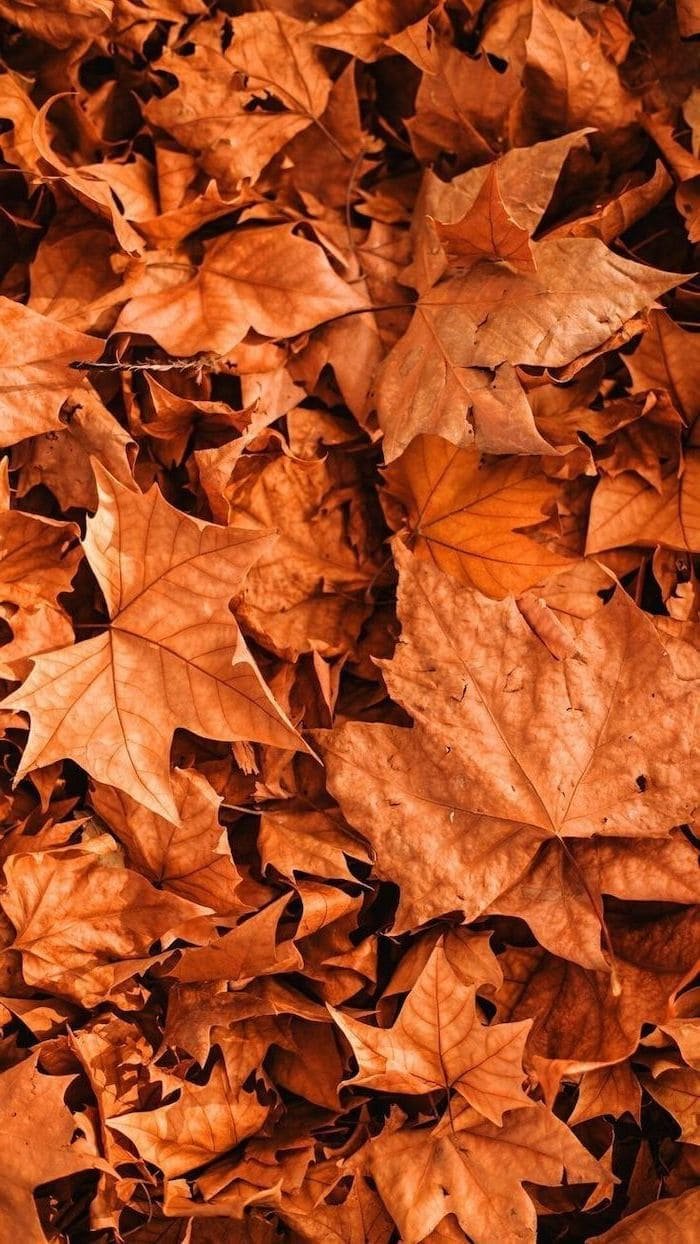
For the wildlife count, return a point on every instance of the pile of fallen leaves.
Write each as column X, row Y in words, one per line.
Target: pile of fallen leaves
column 349, row 630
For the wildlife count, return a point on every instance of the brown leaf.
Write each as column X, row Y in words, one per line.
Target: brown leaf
column 145, row 553
column 580, row 296
column 271, row 280
column 490, row 774
column 487, row 231
column 33, row 1104
column 200, row 1124
column 672, row 1218
column 191, row 858
column 440, row 1042
column 569, row 79
column 627, row 510
column 466, row 516
column 35, row 370
column 75, row 917
column 475, row 1170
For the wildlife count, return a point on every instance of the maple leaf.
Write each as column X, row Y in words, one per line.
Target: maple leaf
column 275, row 53
column 440, row 1042
column 490, row 770
column 60, row 22
column 475, row 1170
column 202, row 1122
column 173, row 655
column 678, row 1091
column 458, row 111
column 569, row 79
column 526, row 177
column 292, row 840
column 560, row 895
column 38, row 559
column 612, row 1090
column 625, row 509
column 307, row 591
column 368, row 25
column 583, row 1018
column 31, row 1104
column 464, row 515
column 487, row 231
column 79, row 921
column 192, row 858
column 579, row 297
column 271, row 280
column 35, row 364
column 62, row 460
column 206, row 113
column 663, row 360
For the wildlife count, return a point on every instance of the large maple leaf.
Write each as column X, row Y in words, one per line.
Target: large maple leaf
column 173, row 655
column 509, row 746
column 475, row 1170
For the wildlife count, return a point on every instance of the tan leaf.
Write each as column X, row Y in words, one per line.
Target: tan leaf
column 475, row 1170
column 679, row 1093
column 569, row 79
column 173, row 656
column 308, row 591
column 627, row 510
column 35, row 359
column 269, row 279
column 484, row 768
column 439, row 1041
column 612, row 1090
column 674, row 1219
column 201, row 1124
column 192, row 858
column 664, row 360
column 74, row 915
column 466, row 516
column 487, row 231
column 580, row 296
column 33, row 1105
